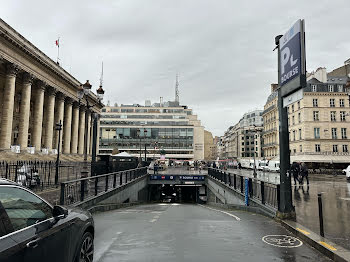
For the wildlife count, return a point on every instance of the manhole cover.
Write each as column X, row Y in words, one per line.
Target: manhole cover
column 282, row 241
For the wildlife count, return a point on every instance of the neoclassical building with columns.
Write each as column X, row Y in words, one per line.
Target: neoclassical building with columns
column 35, row 94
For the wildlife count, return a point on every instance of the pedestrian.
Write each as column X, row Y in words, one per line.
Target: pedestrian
column 214, row 165
column 239, row 165
column 295, row 171
column 304, row 173
column 155, row 168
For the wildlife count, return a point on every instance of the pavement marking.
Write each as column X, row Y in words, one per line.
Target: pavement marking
column 328, row 246
column 282, row 241
column 303, row 231
column 153, row 220
column 105, row 247
column 156, row 216
column 345, row 198
column 227, row 213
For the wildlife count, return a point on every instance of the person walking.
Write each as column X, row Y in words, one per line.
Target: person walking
column 295, row 171
column 304, row 173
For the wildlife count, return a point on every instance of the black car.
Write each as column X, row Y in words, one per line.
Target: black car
column 33, row 230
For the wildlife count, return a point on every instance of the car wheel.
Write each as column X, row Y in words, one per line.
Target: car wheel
column 86, row 249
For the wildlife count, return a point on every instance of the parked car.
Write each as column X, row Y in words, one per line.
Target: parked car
column 28, row 176
column 31, row 229
column 347, row 172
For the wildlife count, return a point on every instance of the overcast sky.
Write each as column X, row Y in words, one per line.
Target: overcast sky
column 221, row 49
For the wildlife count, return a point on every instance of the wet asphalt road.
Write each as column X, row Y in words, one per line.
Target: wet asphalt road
column 184, row 232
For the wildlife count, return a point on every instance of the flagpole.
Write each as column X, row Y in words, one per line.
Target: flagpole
column 58, row 50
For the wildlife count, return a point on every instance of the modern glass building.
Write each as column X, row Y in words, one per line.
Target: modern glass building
column 167, row 128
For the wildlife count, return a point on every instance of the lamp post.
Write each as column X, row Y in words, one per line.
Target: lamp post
column 138, row 132
column 84, row 92
column 58, row 128
column 145, row 135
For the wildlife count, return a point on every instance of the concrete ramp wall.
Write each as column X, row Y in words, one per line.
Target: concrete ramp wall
column 134, row 191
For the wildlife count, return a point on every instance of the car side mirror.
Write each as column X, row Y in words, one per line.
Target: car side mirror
column 59, row 211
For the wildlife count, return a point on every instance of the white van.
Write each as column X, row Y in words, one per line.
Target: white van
column 263, row 164
column 273, row 166
column 347, row 172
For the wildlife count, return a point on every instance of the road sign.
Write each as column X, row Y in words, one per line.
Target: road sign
column 293, row 97
column 292, row 59
column 198, row 178
column 162, row 177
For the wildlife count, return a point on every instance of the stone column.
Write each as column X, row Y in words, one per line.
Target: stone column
column 50, row 115
column 89, row 132
column 59, row 116
column 7, row 106
column 81, row 130
column 98, row 135
column 75, row 128
column 38, row 115
column 67, row 126
column 25, row 110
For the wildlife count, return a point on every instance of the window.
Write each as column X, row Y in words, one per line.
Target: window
column 299, row 133
column 316, row 118
column 300, row 148
column 23, row 208
column 317, row 148
column 317, row 132
column 242, row 143
column 315, row 102
column 332, row 102
column 293, row 121
column 330, row 88
column 334, row 133
column 299, row 117
column 298, row 105
column 345, row 148
column 340, row 88
column 294, row 135
column 242, row 149
column 341, row 103
column 292, row 108
column 294, row 150
column 314, row 88
column 343, row 133
column 335, row 148
column 342, row 115
column 333, row 116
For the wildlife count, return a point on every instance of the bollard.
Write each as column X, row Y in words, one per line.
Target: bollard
column 320, row 213
column 246, row 193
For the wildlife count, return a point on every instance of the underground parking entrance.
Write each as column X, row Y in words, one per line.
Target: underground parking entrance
column 175, row 193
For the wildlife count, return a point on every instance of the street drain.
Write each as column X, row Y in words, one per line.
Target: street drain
column 282, row 241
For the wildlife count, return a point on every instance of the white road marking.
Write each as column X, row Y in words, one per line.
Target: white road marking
column 105, row 247
column 156, row 216
column 153, row 220
column 227, row 213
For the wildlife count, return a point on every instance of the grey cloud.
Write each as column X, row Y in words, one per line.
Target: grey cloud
column 222, row 49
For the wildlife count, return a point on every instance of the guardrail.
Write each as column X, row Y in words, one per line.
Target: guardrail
column 264, row 192
column 81, row 189
column 39, row 175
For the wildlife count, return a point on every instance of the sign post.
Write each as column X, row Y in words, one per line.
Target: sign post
column 291, row 78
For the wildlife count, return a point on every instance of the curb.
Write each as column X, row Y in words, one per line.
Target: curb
column 326, row 247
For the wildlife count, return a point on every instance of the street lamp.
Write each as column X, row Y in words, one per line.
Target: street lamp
column 58, row 127
column 138, row 132
column 84, row 92
column 145, row 134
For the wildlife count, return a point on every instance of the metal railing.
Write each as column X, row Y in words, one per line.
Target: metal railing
column 39, row 175
column 265, row 193
column 81, row 189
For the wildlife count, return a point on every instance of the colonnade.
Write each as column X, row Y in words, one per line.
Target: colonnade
column 30, row 109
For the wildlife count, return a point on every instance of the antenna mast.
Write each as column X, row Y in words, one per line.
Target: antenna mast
column 101, row 78
column 177, row 99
